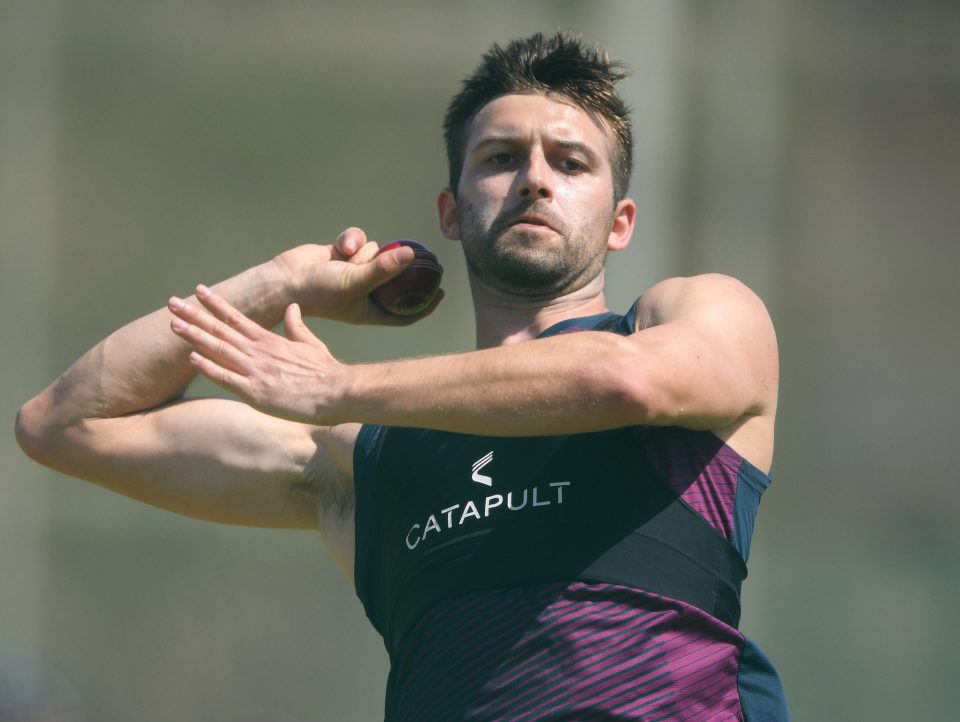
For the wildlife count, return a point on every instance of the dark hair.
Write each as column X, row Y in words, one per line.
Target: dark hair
column 560, row 65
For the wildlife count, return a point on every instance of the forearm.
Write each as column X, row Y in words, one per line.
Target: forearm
column 573, row 383
column 143, row 364
column 695, row 371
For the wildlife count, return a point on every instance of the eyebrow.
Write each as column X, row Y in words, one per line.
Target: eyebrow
column 497, row 140
column 578, row 147
column 514, row 140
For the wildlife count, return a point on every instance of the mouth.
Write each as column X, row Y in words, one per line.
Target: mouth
column 529, row 219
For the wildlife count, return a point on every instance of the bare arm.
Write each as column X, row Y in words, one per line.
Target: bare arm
column 210, row 459
column 703, row 356
column 115, row 416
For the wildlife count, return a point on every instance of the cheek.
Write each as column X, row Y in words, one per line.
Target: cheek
column 492, row 189
column 487, row 199
column 588, row 200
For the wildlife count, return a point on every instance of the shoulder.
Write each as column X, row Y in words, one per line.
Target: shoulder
column 719, row 359
column 725, row 318
column 707, row 298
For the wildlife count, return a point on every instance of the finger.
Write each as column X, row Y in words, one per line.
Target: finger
column 295, row 328
column 223, row 311
column 199, row 317
column 215, row 349
column 396, row 259
column 223, row 377
column 367, row 253
column 382, row 268
column 350, row 241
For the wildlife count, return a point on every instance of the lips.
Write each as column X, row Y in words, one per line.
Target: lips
column 533, row 220
column 535, row 214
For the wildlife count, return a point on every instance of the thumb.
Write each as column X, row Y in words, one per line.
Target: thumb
column 382, row 267
column 294, row 327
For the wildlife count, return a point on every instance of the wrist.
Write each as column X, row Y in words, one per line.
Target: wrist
column 370, row 394
column 341, row 405
column 304, row 279
column 261, row 293
column 283, row 272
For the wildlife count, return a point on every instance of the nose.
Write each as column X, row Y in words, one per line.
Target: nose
column 535, row 177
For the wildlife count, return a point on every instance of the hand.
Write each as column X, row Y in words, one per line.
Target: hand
column 335, row 281
column 294, row 378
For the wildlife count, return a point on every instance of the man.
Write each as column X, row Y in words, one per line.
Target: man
column 551, row 527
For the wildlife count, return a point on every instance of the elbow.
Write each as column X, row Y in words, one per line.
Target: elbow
column 637, row 400
column 631, row 396
column 33, row 433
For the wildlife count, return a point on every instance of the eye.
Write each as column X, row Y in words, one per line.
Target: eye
column 572, row 165
column 502, row 158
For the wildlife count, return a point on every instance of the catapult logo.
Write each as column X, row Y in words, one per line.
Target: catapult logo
column 478, row 465
column 474, row 511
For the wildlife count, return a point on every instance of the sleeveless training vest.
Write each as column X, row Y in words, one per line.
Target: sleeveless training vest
column 441, row 515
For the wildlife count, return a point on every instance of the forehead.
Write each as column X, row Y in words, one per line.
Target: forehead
column 527, row 117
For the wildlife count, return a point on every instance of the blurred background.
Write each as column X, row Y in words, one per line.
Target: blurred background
column 811, row 149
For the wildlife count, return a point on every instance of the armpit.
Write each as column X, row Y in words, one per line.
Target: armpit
column 324, row 487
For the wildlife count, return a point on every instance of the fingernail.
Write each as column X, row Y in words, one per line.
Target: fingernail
column 177, row 325
column 202, row 291
column 175, row 302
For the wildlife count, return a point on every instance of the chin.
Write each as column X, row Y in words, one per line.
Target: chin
column 526, row 274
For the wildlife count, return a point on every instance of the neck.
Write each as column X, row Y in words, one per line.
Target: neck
column 503, row 319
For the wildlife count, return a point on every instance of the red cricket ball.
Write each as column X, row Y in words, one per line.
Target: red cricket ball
column 415, row 288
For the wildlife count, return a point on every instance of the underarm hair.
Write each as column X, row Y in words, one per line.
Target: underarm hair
column 324, row 487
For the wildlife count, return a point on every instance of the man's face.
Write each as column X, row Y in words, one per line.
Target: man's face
column 534, row 208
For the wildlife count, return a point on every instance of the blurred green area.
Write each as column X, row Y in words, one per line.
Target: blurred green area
column 813, row 150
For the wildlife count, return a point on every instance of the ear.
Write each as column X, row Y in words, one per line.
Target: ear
column 624, row 216
column 447, row 213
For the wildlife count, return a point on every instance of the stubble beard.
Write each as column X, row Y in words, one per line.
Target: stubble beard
column 518, row 262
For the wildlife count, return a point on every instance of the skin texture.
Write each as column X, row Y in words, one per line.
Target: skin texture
column 535, row 193
column 533, row 211
column 117, row 416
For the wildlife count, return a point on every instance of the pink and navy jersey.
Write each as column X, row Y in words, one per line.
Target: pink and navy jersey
column 578, row 577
